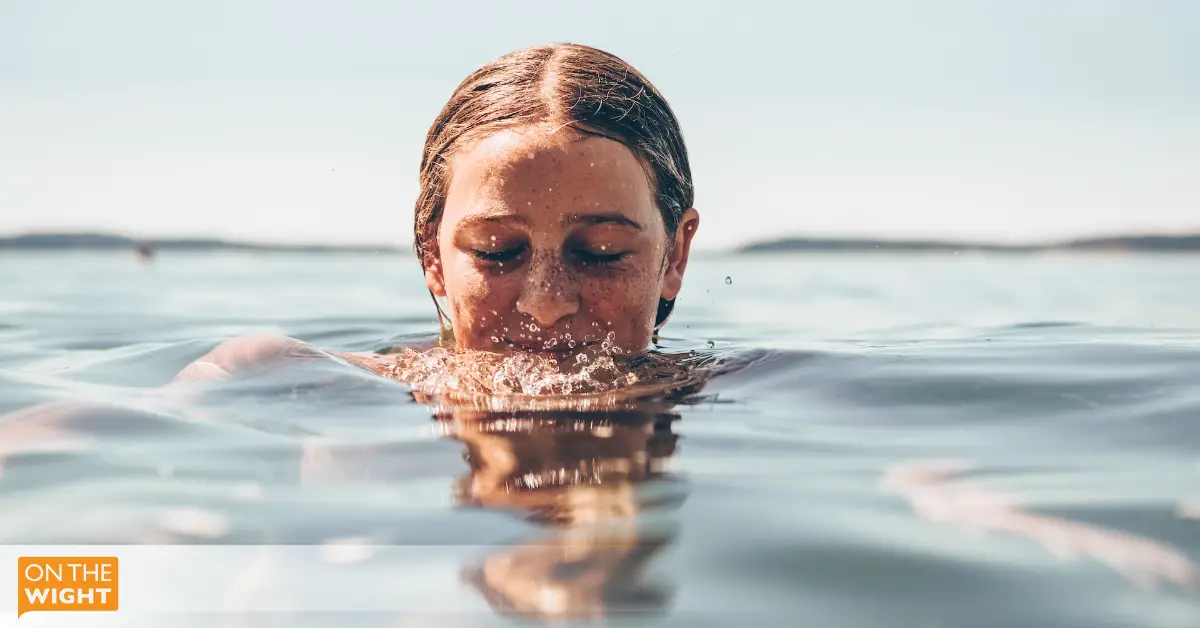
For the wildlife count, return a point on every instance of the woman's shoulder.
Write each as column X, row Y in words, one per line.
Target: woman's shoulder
column 245, row 352
column 259, row 350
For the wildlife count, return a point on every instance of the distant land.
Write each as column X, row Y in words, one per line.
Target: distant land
column 103, row 241
column 1130, row 243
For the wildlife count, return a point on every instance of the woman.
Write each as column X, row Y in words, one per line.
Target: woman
column 554, row 218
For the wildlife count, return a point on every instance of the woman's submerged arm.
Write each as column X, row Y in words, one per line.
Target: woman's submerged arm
column 246, row 353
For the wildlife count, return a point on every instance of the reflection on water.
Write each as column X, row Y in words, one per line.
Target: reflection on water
column 598, row 481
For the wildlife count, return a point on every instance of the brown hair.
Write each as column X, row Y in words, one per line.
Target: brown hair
column 567, row 85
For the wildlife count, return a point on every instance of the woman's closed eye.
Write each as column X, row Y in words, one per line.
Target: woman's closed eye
column 602, row 257
column 502, row 255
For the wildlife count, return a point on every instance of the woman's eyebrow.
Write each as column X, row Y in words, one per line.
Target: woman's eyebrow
column 601, row 219
column 492, row 217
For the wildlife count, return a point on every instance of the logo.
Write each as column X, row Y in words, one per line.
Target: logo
column 56, row 583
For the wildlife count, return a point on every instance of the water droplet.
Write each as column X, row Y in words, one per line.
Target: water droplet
column 493, row 238
column 711, row 344
column 495, row 339
column 729, row 281
column 581, row 358
column 534, row 327
column 571, row 344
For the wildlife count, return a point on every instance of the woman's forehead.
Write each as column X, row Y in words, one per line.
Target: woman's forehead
column 535, row 173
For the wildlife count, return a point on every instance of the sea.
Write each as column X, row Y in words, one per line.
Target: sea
column 901, row 440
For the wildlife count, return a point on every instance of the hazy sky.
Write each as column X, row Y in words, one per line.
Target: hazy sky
column 303, row 121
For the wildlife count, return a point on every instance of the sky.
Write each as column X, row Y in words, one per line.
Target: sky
column 1011, row 120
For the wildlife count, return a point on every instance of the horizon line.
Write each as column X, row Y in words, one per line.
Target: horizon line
column 232, row 242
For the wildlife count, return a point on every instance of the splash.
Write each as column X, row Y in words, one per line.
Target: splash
column 441, row 370
column 597, row 377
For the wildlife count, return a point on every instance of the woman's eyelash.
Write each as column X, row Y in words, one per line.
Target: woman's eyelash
column 499, row 256
column 587, row 258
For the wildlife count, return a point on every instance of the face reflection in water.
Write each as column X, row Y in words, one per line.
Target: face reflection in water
column 595, row 479
column 551, row 242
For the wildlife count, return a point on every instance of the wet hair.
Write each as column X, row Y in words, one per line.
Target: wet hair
column 566, row 86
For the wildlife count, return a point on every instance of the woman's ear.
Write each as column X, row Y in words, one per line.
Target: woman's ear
column 434, row 278
column 677, row 262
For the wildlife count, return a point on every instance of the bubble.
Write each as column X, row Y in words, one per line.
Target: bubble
column 571, row 344
column 581, row 358
column 495, row 339
column 533, row 327
column 729, row 281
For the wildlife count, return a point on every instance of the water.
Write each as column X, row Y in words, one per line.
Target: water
column 905, row 441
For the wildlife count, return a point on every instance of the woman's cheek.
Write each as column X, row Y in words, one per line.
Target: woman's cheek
column 474, row 300
column 626, row 306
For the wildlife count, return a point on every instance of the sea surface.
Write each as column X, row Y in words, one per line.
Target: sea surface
column 923, row 440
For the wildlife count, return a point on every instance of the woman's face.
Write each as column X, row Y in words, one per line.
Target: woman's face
column 550, row 242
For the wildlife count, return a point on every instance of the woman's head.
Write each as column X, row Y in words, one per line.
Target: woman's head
column 556, row 203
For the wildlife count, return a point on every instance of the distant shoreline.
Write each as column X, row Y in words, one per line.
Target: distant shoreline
column 1129, row 243
column 109, row 242
column 48, row 241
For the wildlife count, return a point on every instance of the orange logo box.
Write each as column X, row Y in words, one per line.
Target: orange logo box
column 58, row 583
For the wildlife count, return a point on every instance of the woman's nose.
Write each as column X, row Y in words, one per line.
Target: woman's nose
column 549, row 293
